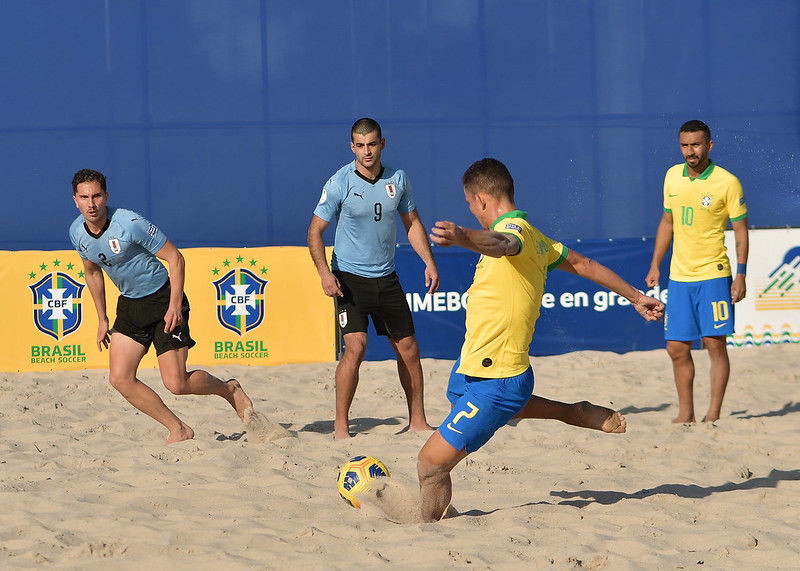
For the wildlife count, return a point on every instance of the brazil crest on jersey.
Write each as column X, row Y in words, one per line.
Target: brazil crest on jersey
column 504, row 301
column 366, row 213
column 125, row 249
column 701, row 208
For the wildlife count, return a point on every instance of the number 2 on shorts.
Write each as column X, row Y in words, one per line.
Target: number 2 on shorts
column 463, row 414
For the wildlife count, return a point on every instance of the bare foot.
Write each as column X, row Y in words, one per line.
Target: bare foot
column 601, row 418
column 337, row 435
column 183, row 432
column 418, row 427
column 238, row 398
column 683, row 419
column 710, row 418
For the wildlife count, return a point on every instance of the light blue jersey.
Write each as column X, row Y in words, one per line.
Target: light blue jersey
column 125, row 249
column 366, row 225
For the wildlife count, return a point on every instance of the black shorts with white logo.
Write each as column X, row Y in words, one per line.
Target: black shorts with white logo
column 382, row 299
column 142, row 319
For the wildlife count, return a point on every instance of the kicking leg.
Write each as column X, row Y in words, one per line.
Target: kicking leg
column 179, row 381
column 683, row 368
column 435, row 462
column 583, row 414
column 409, row 368
column 125, row 354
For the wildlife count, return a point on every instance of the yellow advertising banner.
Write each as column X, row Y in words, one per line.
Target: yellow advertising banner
column 249, row 306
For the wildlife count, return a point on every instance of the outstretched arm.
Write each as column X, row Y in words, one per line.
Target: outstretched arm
column 663, row 239
column 97, row 287
column 316, row 246
column 738, row 287
column 177, row 275
column 649, row 308
column 486, row 242
column 419, row 241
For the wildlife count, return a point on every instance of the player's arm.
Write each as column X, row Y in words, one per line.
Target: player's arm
column 97, row 287
column 486, row 242
column 649, row 308
column 316, row 246
column 740, row 234
column 177, row 275
column 418, row 238
column 663, row 239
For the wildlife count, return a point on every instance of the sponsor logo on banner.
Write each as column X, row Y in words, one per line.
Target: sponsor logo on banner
column 391, row 192
column 57, row 307
column 781, row 289
column 241, row 297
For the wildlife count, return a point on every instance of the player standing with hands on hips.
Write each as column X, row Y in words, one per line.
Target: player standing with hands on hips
column 152, row 307
column 699, row 199
column 364, row 196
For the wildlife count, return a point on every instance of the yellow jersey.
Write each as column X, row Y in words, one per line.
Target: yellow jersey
column 504, row 300
column 701, row 208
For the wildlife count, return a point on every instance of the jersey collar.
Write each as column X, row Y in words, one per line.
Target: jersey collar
column 703, row 175
column 369, row 180
column 513, row 214
column 102, row 230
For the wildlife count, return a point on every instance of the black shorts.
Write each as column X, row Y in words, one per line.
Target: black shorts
column 142, row 319
column 382, row 299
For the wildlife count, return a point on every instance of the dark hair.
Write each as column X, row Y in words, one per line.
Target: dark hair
column 694, row 126
column 489, row 176
column 88, row 175
column 364, row 126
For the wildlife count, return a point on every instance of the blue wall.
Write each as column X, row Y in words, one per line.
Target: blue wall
column 221, row 120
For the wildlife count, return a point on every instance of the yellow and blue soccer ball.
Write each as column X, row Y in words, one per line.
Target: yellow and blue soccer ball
column 356, row 475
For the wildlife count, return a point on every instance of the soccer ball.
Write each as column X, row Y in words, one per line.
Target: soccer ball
column 356, row 475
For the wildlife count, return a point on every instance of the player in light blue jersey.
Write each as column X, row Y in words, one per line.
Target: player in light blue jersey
column 365, row 197
column 152, row 307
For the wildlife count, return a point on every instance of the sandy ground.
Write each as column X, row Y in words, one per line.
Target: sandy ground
column 87, row 483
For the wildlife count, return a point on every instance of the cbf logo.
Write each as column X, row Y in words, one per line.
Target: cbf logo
column 57, row 307
column 240, row 300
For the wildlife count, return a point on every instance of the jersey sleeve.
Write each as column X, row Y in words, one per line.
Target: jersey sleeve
column 734, row 201
column 147, row 234
column 667, row 204
column 330, row 201
column 556, row 253
column 406, row 203
column 76, row 242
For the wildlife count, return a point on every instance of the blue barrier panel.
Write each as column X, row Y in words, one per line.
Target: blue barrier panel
column 576, row 313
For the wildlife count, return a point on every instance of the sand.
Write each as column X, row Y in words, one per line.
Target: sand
column 87, row 483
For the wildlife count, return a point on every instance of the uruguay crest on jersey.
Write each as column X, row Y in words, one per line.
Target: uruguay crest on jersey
column 391, row 191
column 240, row 300
column 57, row 305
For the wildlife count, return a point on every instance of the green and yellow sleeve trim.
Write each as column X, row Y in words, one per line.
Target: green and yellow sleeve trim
column 560, row 259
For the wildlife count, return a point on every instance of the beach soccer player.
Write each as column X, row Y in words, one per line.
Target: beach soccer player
column 699, row 199
column 366, row 196
column 504, row 303
column 152, row 308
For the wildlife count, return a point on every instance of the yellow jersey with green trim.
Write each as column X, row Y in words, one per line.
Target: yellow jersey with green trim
column 504, row 301
column 701, row 208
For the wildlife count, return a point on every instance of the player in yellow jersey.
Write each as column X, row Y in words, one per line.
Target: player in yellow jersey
column 504, row 300
column 699, row 199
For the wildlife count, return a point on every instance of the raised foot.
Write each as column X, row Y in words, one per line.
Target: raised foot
column 602, row 418
column 238, row 398
column 183, row 432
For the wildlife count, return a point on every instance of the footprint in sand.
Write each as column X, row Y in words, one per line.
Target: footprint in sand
column 261, row 429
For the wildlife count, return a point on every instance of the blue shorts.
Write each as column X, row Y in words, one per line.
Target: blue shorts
column 481, row 406
column 698, row 309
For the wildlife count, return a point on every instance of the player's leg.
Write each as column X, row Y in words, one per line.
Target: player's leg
column 125, row 354
column 179, row 381
column 681, row 327
column 716, row 322
column 582, row 414
column 435, row 462
column 355, row 346
column 409, row 369
column 720, row 371
column 683, row 369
